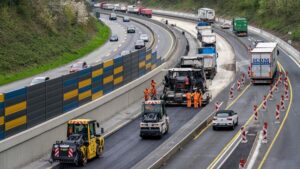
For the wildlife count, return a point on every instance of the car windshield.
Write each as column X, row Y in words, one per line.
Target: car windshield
column 150, row 108
column 78, row 129
column 223, row 114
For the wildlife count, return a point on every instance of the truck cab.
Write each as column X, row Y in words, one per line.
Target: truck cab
column 154, row 121
column 206, row 14
column 82, row 144
column 208, row 56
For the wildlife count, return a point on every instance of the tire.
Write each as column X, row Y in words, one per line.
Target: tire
column 214, row 128
column 99, row 151
column 83, row 160
column 237, row 122
column 167, row 130
column 233, row 127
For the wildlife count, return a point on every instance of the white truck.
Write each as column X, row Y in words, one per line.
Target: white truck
column 208, row 40
column 264, row 62
column 206, row 14
column 132, row 9
column 155, row 121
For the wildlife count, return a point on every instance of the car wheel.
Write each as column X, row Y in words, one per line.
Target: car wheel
column 233, row 126
column 167, row 129
column 99, row 151
column 237, row 122
column 214, row 128
column 83, row 160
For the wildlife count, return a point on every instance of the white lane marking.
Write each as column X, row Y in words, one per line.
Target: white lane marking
column 256, row 152
column 228, row 154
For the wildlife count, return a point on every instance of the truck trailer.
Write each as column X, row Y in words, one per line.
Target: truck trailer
column 264, row 62
column 240, row 26
column 208, row 56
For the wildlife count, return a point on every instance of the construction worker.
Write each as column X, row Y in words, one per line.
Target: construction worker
column 188, row 99
column 146, row 94
column 196, row 98
column 200, row 99
column 153, row 92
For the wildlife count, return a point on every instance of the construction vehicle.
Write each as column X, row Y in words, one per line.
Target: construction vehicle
column 155, row 121
column 240, row 26
column 206, row 14
column 175, row 87
column 264, row 62
column 82, row 144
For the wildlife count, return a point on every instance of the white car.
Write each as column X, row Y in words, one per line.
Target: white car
column 144, row 37
column 125, row 52
column 38, row 80
column 225, row 119
column 225, row 26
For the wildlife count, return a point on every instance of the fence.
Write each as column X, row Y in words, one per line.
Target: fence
column 26, row 107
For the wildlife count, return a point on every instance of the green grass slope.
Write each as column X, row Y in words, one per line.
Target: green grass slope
column 36, row 36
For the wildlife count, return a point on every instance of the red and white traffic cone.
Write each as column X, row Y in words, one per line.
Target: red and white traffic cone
column 282, row 103
column 280, row 78
column 243, row 133
column 242, row 164
column 286, row 94
column 264, row 105
column 265, row 133
column 255, row 112
column 277, row 114
column 286, row 85
column 217, row 106
column 231, row 94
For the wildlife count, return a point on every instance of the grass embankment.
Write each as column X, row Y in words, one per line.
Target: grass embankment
column 37, row 38
column 278, row 17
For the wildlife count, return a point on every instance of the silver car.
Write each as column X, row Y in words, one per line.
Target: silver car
column 139, row 44
column 38, row 80
column 225, row 119
column 144, row 37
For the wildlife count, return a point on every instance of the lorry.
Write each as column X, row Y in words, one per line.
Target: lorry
column 206, row 14
column 133, row 9
column 154, row 121
column 240, row 26
column 145, row 12
column 83, row 143
column 208, row 39
column 206, row 59
column 264, row 62
column 203, row 28
column 175, row 87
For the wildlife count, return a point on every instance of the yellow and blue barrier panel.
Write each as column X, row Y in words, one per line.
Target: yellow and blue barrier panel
column 118, row 72
column 15, row 106
column 70, row 90
column 18, row 109
column 2, row 128
column 85, row 86
column 142, row 63
column 97, row 81
column 108, row 76
column 148, row 61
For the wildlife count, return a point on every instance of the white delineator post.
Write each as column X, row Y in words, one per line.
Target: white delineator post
column 264, row 106
column 282, row 103
column 249, row 71
column 265, row 133
column 231, row 92
column 243, row 79
column 286, row 94
column 276, row 86
column 271, row 93
column 243, row 133
column 238, row 85
column 255, row 112
column 277, row 114
column 217, row 106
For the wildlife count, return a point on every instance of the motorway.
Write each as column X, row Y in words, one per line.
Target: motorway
column 204, row 149
column 107, row 51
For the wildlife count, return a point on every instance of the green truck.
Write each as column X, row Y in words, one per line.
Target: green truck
column 240, row 26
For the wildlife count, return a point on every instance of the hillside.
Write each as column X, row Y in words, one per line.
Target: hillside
column 276, row 16
column 39, row 35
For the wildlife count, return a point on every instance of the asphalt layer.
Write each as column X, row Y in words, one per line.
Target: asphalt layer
column 107, row 51
column 125, row 148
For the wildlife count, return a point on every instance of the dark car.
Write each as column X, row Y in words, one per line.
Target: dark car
column 114, row 38
column 139, row 44
column 126, row 19
column 131, row 29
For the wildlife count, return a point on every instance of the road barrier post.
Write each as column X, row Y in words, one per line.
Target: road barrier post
column 249, row 71
column 244, row 137
column 282, row 103
column 271, row 93
column 277, row 114
column 238, row 85
column 276, row 86
column 231, row 93
column 265, row 133
column 217, row 106
column 286, row 94
column 243, row 79
column 280, row 78
column 264, row 106
column 255, row 113
column 242, row 164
